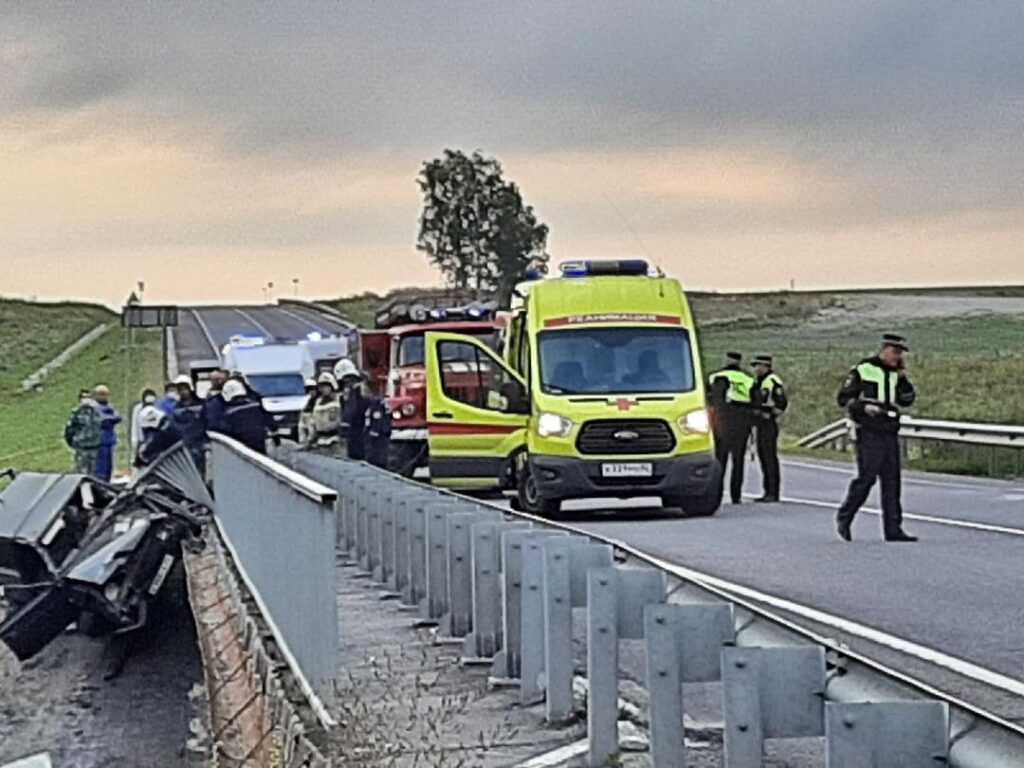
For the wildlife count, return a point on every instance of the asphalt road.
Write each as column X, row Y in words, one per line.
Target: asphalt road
column 957, row 591
column 203, row 331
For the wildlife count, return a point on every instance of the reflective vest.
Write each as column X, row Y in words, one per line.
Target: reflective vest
column 768, row 385
column 326, row 417
column 740, row 385
column 884, row 382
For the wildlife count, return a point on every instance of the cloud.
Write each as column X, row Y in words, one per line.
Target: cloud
column 294, row 128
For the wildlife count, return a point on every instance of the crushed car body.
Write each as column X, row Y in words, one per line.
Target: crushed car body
column 73, row 549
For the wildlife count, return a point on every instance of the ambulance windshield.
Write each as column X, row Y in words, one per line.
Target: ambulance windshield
column 600, row 361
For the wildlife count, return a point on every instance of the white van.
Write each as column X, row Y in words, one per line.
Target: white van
column 278, row 372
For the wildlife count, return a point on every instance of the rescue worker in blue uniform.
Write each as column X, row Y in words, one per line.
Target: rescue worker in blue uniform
column 109, row 419
column 873, row 394
column 729, row 401
column 377, row 427
column 189, row 419
column 245, row 419
column 215, row 405
column 353, row 408
column 769, row 402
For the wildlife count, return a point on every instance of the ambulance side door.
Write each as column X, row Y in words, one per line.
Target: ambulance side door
column 477, row 412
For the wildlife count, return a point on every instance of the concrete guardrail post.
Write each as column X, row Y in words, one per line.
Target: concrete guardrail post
column 567, row 560
column 435, row 600
column 887, row 734
column 507, row 664
column 486, row 639
column 684, row 645
column 770, row 693
column 616, row 598
column 458, row 621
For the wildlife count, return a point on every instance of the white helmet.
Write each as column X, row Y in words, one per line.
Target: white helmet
column 326, row 378
column 184, row 379
column 150, row 417
column 345, row 368
column 311, row 383
column 233, row 389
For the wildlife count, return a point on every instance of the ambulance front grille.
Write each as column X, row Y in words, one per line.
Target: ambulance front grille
column 625, row 437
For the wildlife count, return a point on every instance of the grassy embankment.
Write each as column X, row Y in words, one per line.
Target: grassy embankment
column 31, row 334
column 968, row 368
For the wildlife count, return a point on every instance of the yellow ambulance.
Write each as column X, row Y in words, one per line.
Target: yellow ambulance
column 599, row 393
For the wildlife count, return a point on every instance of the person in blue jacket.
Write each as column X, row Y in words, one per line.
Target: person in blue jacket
column 216, row 405
column 166, row 403
column 109, row 419
column 245, row 418
column 377, row 432
column 190, row 421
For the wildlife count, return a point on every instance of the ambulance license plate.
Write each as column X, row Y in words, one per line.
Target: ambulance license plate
column 627, row 470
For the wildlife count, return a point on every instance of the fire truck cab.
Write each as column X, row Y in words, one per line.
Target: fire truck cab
column 393, row 356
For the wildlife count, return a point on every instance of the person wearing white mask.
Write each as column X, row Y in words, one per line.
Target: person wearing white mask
column 148, row 398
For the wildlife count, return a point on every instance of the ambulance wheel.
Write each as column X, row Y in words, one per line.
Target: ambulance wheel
column 696, row 506
column 530, row 498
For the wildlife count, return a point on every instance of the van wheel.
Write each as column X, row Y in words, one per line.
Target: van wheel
column 530, row 498
column 696, row 506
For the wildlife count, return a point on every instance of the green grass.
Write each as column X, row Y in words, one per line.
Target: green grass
column 32, row 423
column 965, row 369
column 32, row 334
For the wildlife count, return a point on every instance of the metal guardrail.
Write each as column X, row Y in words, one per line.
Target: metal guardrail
column 506, row 583
column 279, row 528
column 972, row 433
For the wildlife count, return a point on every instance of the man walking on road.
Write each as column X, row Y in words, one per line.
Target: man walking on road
column 873, row 393
column 729, row 398
column 109, row 419
column 770, row 403
column 82, row 433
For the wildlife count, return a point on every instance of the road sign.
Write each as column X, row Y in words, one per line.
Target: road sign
column 139, row 316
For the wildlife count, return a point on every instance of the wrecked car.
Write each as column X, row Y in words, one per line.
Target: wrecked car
column 73, row 549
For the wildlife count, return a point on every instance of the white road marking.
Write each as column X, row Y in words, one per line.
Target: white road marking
column 262, row 328
column 931, row 655
column 986, row 527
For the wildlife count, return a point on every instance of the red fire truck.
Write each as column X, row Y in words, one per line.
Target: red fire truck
column 392, row 357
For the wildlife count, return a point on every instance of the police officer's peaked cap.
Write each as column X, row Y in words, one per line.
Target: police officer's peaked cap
column 734, row 357
column 763, row 360
column 894, row 340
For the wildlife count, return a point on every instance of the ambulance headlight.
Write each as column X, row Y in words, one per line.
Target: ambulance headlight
column 553, row 425
column 695, row 422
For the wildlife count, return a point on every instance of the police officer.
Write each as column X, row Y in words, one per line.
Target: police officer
column 873, row 394
column 770, row 402
column 190, row 420
column 729, row 396
column 245, row 419
column 378, row 427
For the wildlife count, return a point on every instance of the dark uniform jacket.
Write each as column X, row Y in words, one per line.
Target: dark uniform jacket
column 377, row 434
column 894, row 393
column 213, row 411
column 353, row 422
column 189, row 418
column 155, row 441
column 247, row 421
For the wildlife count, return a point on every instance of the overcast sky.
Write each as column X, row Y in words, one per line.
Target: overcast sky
column 208, row 148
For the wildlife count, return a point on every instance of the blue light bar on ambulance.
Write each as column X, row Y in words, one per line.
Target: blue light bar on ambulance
column 612, row 267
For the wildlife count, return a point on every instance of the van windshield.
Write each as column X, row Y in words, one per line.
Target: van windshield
column 600, row 361
column 278, row 384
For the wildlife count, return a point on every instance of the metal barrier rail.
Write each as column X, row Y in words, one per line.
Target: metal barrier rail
column 279, row 527
column 993, row 435
column 507, row 583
